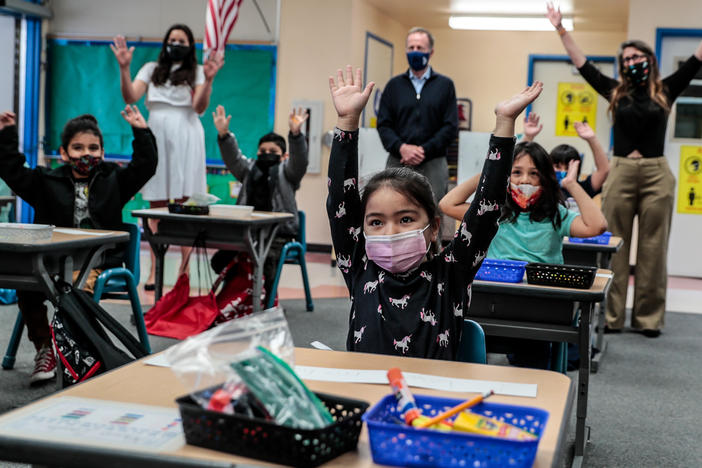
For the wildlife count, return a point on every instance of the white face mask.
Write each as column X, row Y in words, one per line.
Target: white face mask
column 399, row 252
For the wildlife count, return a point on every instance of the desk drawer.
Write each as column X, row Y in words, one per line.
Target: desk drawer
column 525, row 309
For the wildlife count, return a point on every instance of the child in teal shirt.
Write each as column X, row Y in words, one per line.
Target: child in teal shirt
column 533, row 222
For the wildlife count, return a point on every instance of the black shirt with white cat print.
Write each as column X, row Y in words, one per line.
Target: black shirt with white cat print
column 419, row 313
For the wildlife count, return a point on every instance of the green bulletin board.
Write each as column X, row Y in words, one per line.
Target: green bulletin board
column 83, row 77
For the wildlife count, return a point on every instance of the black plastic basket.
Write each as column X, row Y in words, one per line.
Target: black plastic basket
column 567, row 276
column 265, row 440
column 179, row 208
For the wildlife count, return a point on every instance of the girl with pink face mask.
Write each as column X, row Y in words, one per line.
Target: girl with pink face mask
column 534, row 219
column 407, row 295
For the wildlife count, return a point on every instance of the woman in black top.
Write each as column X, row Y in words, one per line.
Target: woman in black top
column 640, row 182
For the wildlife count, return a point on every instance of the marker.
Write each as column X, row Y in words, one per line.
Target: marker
column 456, row 409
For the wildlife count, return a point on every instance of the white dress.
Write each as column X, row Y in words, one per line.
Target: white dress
column 180, row 138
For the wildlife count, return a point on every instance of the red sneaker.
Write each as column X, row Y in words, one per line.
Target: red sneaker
column 44, row 365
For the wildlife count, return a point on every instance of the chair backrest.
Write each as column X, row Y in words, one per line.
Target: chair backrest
column 131, row 254
column 472, row 345
column 302, row 235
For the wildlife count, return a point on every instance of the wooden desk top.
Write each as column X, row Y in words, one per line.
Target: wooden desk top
column 64, row 238
column 615, row 243
column 158, row 386
column 256, row 217
column 595, row 293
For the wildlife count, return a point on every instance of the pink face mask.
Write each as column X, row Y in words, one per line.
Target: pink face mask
column 397, row 253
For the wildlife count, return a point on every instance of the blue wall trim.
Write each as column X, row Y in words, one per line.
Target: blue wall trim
column 31, row 103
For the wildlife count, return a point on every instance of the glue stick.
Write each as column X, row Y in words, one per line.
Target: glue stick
column 406, row 404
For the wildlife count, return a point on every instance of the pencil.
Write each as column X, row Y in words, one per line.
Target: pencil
column 456, row 409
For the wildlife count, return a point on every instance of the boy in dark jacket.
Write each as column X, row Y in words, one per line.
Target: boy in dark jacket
column 268, row 182
column 86, row 192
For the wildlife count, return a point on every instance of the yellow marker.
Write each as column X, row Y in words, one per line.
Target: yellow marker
column 478, row 424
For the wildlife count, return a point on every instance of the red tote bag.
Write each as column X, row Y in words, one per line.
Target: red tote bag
column 177, row 315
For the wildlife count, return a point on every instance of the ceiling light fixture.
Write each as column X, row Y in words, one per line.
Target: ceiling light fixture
column 506, row 23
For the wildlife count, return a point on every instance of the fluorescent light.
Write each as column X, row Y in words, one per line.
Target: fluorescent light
column 506, row 23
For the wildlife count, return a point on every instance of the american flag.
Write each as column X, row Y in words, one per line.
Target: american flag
column 220, row 19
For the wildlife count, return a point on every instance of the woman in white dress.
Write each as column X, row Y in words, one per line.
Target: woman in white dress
column 177, row 90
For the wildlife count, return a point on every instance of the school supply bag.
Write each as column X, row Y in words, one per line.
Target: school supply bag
column 235, row 299
column 79, row 331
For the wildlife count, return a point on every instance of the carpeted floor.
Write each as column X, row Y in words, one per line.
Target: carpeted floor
column 642, row 407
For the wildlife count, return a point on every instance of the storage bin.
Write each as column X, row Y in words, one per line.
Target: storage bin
column 265, row 440
column 179, row 208
column 394, row 443
column 18, row 232
column 567, row 276
column 602, row 239
column 506, row 271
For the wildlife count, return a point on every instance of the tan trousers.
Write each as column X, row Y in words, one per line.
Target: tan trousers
column 643, row 187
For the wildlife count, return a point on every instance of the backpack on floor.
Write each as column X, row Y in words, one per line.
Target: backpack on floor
column 83, row 346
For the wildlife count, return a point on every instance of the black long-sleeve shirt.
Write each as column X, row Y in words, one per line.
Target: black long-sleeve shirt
column 428, row 119
column 419, row 313
column 639, row 122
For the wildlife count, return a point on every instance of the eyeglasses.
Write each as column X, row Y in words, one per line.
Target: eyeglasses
column 632, row 58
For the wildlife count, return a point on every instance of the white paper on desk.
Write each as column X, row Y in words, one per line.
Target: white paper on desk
column 102, row 423
column 261, row 215
column 158, row 360
column 432, row 382
column 605, row 275
column 80, row 232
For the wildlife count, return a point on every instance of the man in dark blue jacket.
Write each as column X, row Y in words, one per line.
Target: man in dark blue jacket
column 418, row 117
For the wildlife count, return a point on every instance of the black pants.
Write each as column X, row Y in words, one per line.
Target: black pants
column 222, row 258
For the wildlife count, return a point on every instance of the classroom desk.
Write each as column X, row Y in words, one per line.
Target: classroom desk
column 158, row 386
column 252, row 233
column 524, row 304
column 30, row 265
column 599, row 255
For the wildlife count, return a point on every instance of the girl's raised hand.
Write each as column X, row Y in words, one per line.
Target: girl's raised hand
column 132, row 115
column 7, row 119
column 212, row 65
column 584, row 130
column 123, row 54
column 347, row 96
column 296, row 119
column 532, row 127
column 221, row 120
column 572, row 175
column 554, row 15
column 512, row 107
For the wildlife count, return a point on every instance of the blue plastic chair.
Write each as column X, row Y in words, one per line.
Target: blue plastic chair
column 472, row 345
column 121, row 283
column 294, row 253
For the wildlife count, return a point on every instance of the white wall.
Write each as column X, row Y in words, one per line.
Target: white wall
column 151, row 18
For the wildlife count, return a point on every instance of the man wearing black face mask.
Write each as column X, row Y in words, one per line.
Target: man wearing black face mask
column 268, row 183
column 418, row 116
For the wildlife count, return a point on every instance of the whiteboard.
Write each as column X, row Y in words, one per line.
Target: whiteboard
column 472, row 148
column 7, row 57
column 371, row 155
column 378, row 68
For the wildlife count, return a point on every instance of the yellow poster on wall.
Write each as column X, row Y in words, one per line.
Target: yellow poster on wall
column 576, row 102
column 690, row 180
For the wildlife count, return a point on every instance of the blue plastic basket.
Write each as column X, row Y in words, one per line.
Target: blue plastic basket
column 394, row 443
column 506, row 271
column 602, row 239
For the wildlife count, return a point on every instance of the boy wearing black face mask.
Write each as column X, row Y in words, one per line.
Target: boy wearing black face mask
column 268, row 183
column 85, row 192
